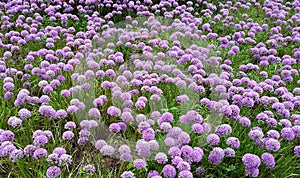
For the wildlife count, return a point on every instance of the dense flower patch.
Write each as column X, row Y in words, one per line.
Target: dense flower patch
column 94, row 88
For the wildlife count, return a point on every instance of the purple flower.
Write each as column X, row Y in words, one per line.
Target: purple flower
column 99, row 144
column 127, row 174
column 244, row 121
column 127, row 117
column 126, row 157
column 255, row 134
column 53, row 172
column 251, row 160
column 152, row 173
column 59, row 150
column 40, row 153
column 287, row 134
column 169, row 171
column 90, row 169
column 124, row 149
column 233, row 142
column 252, row 172
column 268, row 159
column 229, row 152
column 174, row 151
column 297, row 150
column 272, row 144
column 148, row 134
column 82, row 141
column 114, row 127
column 68, row 135
column 139, row 164
column 197, row 128
column 197, row 154
column 114, row 111
column 65, row 159
column 273, row 134
column 16, row 154
column 40, row 140
column 29, row 150
column 24, row 113
column 216, row 155
column 7, row 135
column 53, row 158
column 14, row 121
column 143, row 148
column 161, row 158
column 70, row 125
column 223, row 130
column 60, row 114
column 94, row 113
column 200, row 171
column 181, row 166
column 185, row 174
column 213, row 139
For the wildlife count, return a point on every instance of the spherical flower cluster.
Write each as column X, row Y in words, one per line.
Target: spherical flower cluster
column 216, row 155
column 251, row 162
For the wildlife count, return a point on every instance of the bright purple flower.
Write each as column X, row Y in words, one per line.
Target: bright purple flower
column 68, row 135
column 252, row 172
column 40, row 140
column 40, row 153
column 233, row 142
column 216, row 155
column 59, row 151
column 114, row 127
column 229, row 152
column 197, row 128
column 251, row 160
column 223, row 130
column 53, row 172
column 268, row 159
column 297, row 150
column 287, row 134
column 169, row 171
column 185, row 174
column 114, row 111
column 213, row 139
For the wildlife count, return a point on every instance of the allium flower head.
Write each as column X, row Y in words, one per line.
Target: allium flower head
column 213, row 139
column 90, row 169
column 114, row 111
column 161, row 158
column 169, row 171
column 127, row 174
column 297, row 150
column 53, row 172
column 216, row 155
column 251, row 160
column 24, row 113
column 139, row 163
column 268, row 159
